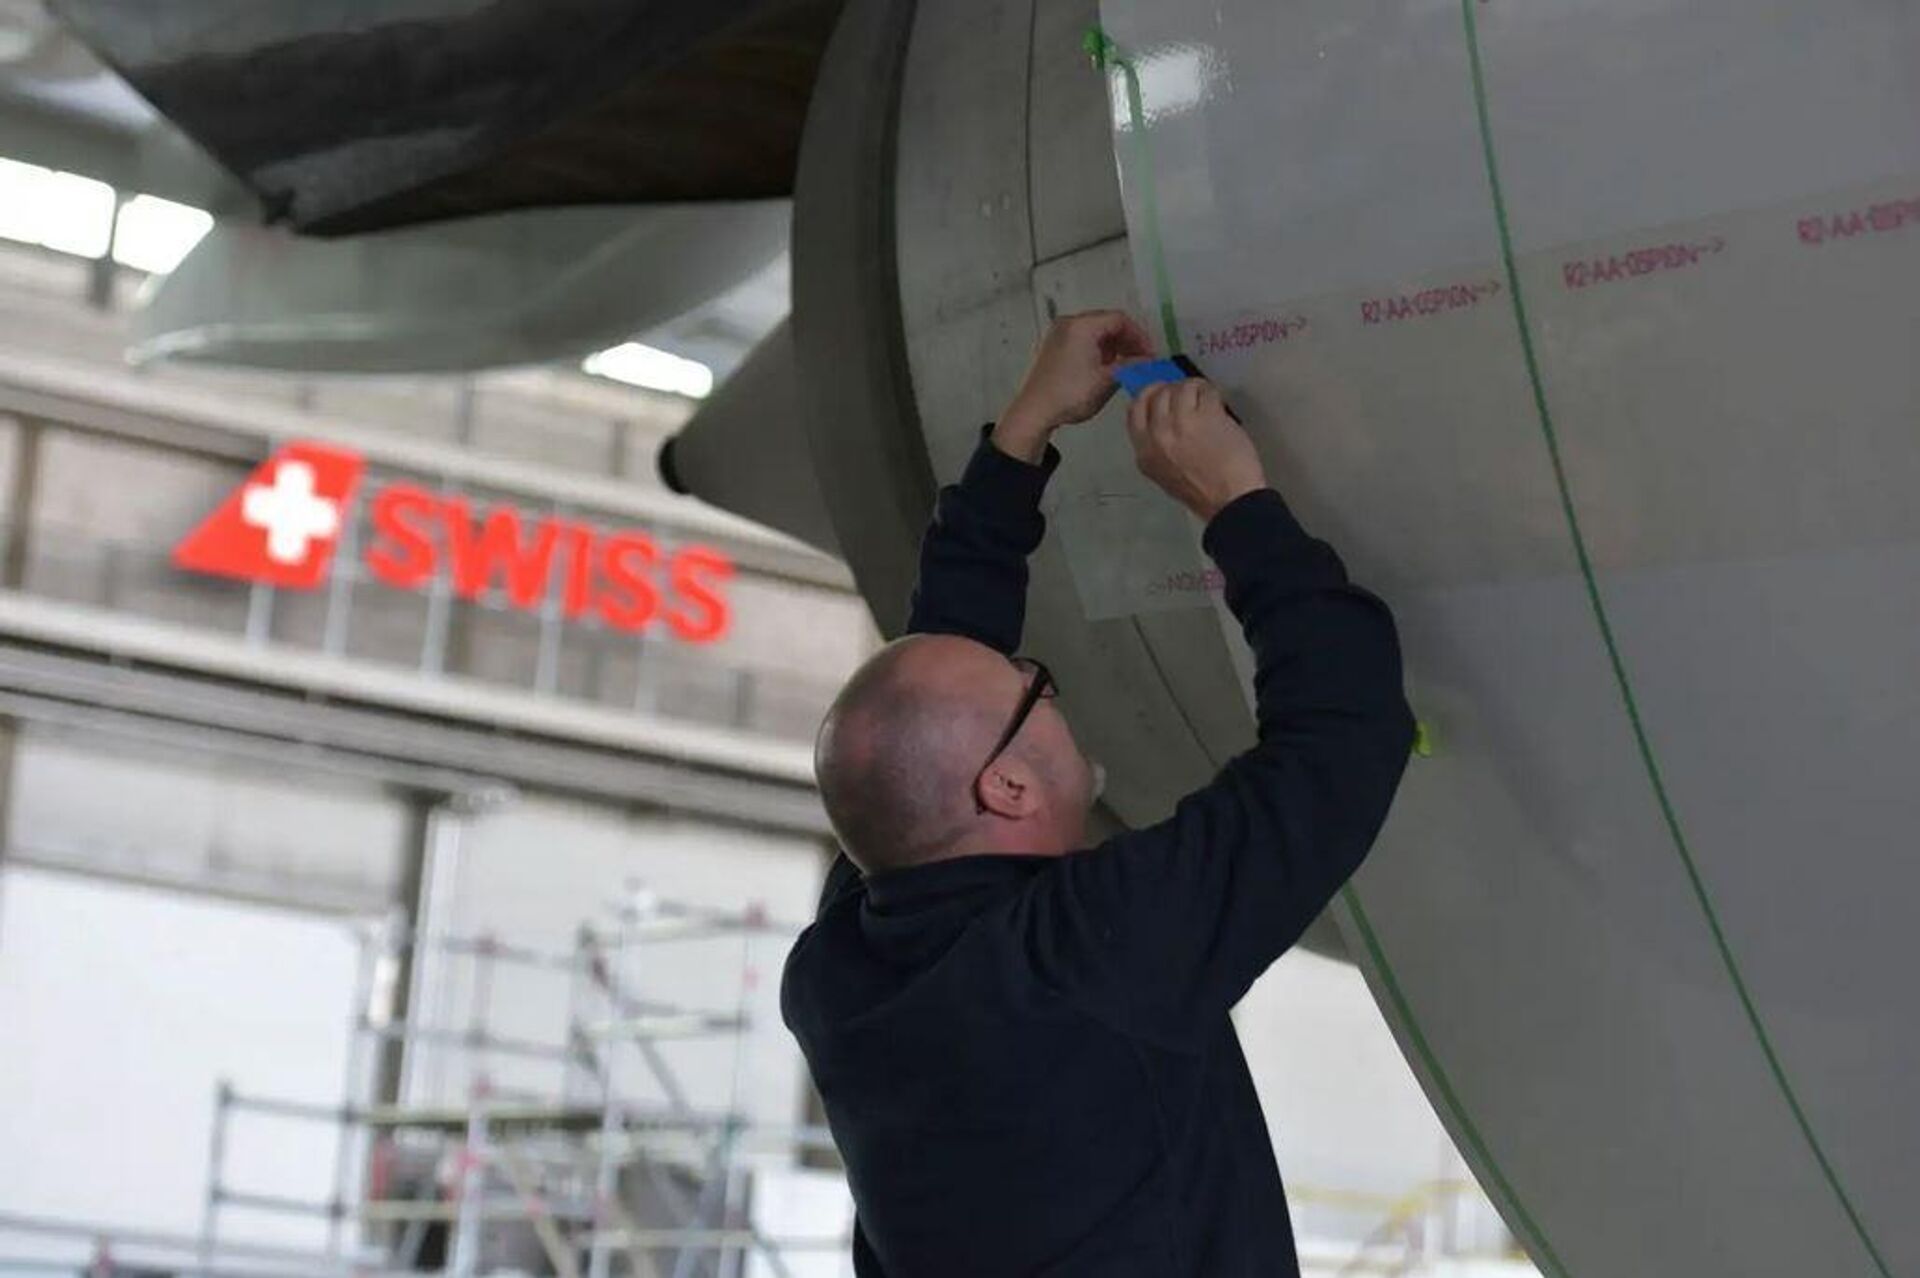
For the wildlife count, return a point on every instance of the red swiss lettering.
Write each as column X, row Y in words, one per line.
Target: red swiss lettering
column 578, row 596
column 707, row 617
column 499, row 545
column 403, row 554
column 611, row 574
column 626, row 562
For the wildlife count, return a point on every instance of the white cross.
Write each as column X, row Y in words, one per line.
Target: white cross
column 290, row 512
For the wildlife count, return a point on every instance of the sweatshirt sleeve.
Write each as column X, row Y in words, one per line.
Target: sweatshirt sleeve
column 1160, row 931
column 973, row 559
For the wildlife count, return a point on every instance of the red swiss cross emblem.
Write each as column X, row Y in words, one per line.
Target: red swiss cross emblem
column 281, row 526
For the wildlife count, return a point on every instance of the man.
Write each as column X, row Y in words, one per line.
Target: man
column 1023, row 1043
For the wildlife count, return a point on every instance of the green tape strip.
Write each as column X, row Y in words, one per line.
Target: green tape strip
column 1099, row 46
column 1105, row 53
column 1644, row 745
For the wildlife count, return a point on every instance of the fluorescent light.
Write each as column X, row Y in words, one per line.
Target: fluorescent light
column 61, row 211
column 644, row 366
column 19, row 202
column 73, row 214
column 155, row 234
column 77, row 214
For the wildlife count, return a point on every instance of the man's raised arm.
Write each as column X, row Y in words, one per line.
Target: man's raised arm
column 973, row 559
column 1160, row 931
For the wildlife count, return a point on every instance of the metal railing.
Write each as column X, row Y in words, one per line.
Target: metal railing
column 561, row 1164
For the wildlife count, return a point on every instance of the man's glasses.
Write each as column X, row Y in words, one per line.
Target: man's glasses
column 1040, row 687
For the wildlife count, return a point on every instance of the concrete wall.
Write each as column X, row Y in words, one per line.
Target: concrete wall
column 121, row 808
column 105, row 513
column 122, row 1008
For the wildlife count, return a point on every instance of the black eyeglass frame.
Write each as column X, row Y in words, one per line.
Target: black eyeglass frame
column 1042, row 688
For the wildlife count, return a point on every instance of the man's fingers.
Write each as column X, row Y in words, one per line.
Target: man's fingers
column 1127, row 340
column 1093, row 326
column 1160, row 411
column 1168, row 406
column 1192, row 395
column 1137, row 409
column 1179, row 408
column 1117, row 334
column 1143, row 406
column 1137, row 417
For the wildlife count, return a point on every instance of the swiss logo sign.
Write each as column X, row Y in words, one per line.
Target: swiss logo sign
column 283, row 524
column 280, row 526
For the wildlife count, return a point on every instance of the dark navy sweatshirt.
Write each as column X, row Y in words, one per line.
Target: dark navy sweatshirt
column 1027, row 1062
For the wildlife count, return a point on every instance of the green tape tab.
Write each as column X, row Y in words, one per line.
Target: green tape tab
column 1107, row 55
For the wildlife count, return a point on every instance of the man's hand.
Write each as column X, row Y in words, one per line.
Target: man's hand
column 1185, row 441
column 1070, row 380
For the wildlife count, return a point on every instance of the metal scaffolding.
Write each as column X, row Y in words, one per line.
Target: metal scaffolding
column 585, row 1180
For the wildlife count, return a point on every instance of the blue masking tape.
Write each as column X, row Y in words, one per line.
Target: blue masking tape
column 1135, row 378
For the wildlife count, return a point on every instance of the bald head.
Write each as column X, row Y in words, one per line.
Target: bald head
column 900, row 750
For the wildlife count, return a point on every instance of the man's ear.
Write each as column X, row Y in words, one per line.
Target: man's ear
column 1009, row 789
